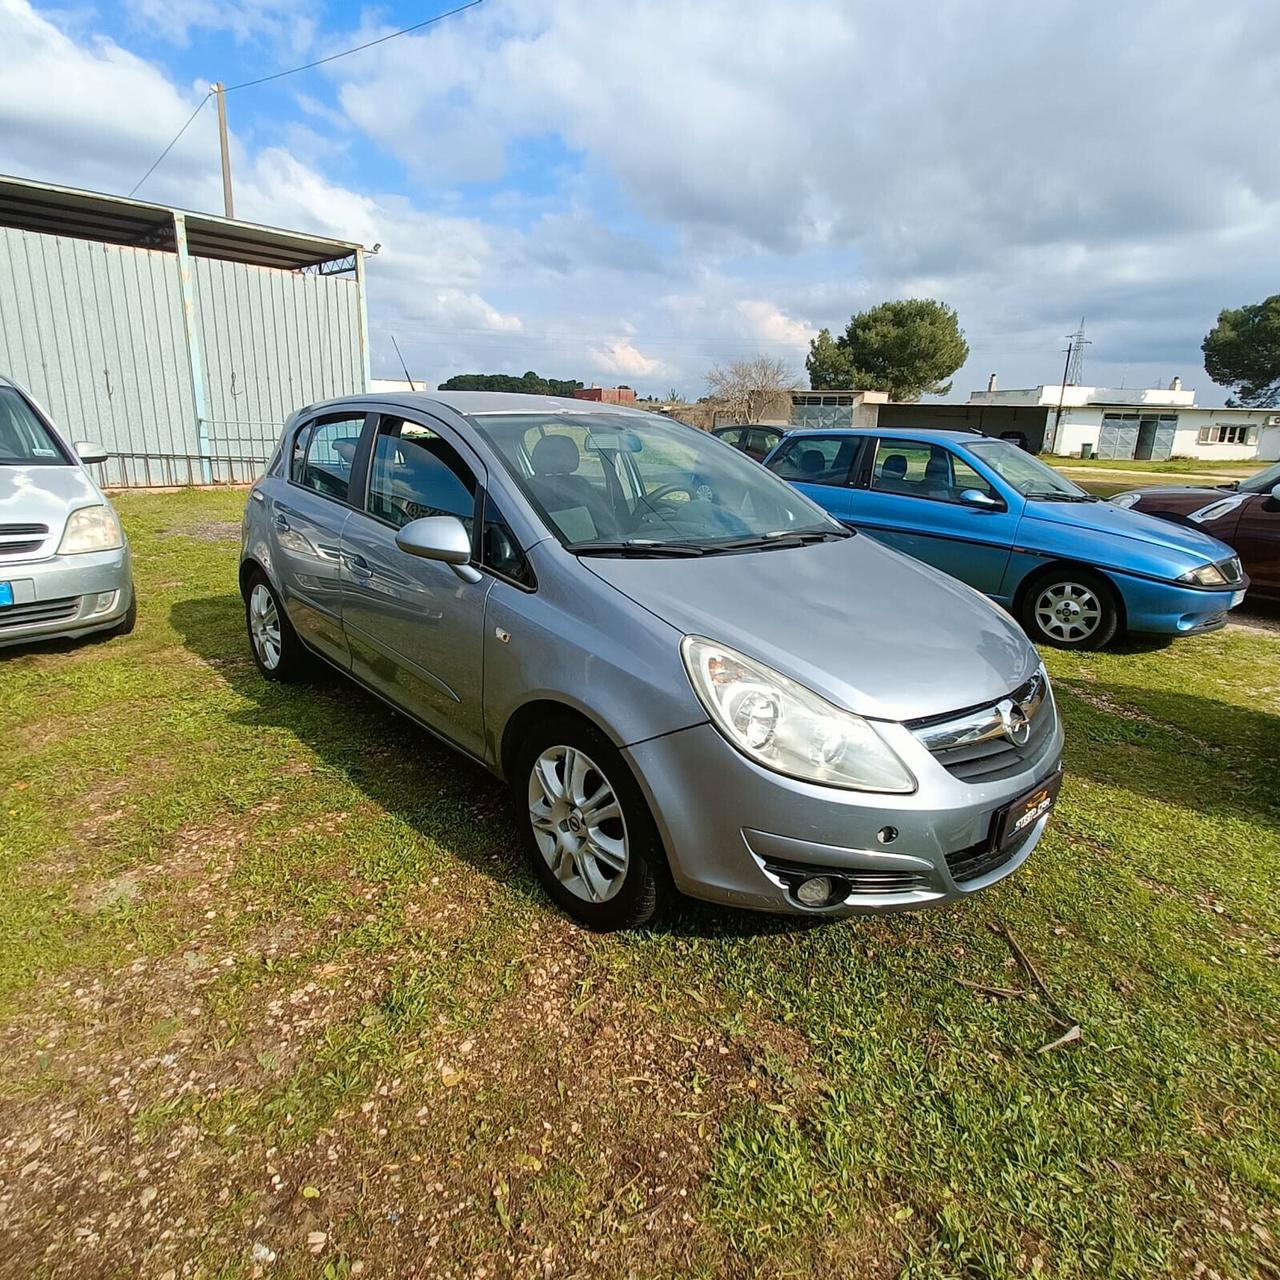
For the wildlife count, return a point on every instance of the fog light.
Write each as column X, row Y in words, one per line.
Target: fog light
column 103, row 601
column 814, row 892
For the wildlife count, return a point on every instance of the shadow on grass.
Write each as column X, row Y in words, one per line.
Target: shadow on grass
column 1177, row 748
column 392, row 761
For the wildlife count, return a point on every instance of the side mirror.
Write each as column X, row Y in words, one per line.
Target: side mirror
column 1275, row 493
column 983, row 501
column 442, row 538
column 87, row 451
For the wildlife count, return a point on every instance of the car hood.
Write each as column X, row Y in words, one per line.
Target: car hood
column 1182, row 499
column 864, row 626
column 44, row 495
column 1103, row 517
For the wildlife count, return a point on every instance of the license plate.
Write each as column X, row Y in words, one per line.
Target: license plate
column 1237, row 598
column 6, row 594
column 1025, row 812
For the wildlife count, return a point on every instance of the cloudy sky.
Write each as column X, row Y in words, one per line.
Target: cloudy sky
column 631, row 190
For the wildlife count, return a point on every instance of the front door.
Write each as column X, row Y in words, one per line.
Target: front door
column 911, row 500
column 1258, row 542
column 307, row 515
column 414, row 627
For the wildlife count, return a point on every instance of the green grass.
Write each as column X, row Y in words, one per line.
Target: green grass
column 270, row 954
column 1169, row 466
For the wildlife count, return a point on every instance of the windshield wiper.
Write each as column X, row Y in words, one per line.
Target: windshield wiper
column 637, row 547
column 1049, row 496
column 782, row 538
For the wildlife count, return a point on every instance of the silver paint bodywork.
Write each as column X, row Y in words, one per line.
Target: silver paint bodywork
column 47, row 495
column 871, row 630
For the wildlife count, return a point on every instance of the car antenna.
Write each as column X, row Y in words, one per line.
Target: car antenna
column 404, row 366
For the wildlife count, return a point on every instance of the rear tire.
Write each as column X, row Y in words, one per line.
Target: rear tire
column 586, row 827
column 274, row 643
column 1070, row 608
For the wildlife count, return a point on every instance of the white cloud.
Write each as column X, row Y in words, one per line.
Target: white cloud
column 621, row 357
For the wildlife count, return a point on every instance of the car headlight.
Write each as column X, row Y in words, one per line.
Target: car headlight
column 91, row 529
column 787, row 728
column 1125, row 500
column 1207, row 575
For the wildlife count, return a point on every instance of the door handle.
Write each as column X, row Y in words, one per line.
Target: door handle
column 281, row 523
column 359, row 565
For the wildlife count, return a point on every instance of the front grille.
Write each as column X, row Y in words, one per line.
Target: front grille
column 23, row 615
column 973, row 745
column 1232, row 570
column 21, row 539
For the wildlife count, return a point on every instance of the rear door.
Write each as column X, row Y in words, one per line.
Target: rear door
column 1257, row 539
column 908, row 495
column 415, row 628
column 307, row 515
column 821, row 467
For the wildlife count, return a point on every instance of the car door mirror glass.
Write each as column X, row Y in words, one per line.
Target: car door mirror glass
column 976, row 498
column 89, row 451
column 1275, row 493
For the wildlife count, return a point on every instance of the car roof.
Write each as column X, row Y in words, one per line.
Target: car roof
column 483, row 402
column 953, row 434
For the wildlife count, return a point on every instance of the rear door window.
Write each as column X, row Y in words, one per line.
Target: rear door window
column 324, row 453
column 817, row 459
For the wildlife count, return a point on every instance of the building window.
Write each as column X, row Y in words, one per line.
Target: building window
column 1228, row 433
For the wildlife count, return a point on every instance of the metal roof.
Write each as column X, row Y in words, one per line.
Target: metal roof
column 90, row 215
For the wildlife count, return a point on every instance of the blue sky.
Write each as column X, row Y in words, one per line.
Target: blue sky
column 631, row 190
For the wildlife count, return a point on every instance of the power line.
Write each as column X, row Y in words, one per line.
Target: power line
column 171, row 145
column 279, row 75
column 333, row 57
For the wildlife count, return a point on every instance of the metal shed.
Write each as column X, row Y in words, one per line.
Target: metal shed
column 180, row 341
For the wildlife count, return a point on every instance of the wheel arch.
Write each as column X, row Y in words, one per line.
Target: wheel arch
column 524, row 717
column 1044, row 571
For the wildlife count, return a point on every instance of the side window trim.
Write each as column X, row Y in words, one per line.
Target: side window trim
column 482, row 561
column 356, row 481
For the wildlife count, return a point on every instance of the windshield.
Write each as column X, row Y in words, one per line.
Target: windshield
column 24, row 439
column 1264, row 481
column 1025, row 472
column 613, row 483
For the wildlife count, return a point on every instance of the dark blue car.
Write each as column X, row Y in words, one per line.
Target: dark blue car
column 1073, row 569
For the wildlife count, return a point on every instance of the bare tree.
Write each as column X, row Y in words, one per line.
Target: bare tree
column 747, row 388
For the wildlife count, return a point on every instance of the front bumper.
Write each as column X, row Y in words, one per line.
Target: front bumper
column 1165, row 608
column 64, row 597
column 729, row 826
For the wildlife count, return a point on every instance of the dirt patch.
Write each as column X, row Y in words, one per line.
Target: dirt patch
column 206, row 531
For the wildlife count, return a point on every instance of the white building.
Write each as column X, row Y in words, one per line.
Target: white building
column 1150, row 423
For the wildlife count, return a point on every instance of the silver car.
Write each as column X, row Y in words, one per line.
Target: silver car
column 64, row 560
column 687, row 672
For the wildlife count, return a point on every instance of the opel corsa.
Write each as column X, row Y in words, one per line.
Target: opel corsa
column 685, row 669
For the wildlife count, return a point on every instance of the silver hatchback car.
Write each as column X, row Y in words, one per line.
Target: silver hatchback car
column 64, row 560
column 685, row 669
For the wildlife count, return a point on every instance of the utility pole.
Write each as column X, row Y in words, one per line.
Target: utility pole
column 228, row 205
column 1062, row 391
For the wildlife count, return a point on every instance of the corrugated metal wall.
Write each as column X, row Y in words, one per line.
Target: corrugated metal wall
column 95, row 332
column 271, row 342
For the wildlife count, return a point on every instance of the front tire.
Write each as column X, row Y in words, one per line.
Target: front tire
column 586, row 827
column 275, row 645
column 1070, row 608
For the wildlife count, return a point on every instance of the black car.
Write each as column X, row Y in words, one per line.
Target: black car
column 755, row 441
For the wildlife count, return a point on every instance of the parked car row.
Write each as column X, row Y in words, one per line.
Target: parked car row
column 778, row 687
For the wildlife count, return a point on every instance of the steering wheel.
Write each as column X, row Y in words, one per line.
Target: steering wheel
column 693, row 491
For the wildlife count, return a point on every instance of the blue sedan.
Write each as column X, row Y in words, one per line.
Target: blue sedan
column 1074, row 570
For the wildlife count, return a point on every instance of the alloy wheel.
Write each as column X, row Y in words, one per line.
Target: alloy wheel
column 578, row 823
column 264, row 626
column 1068, row 611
